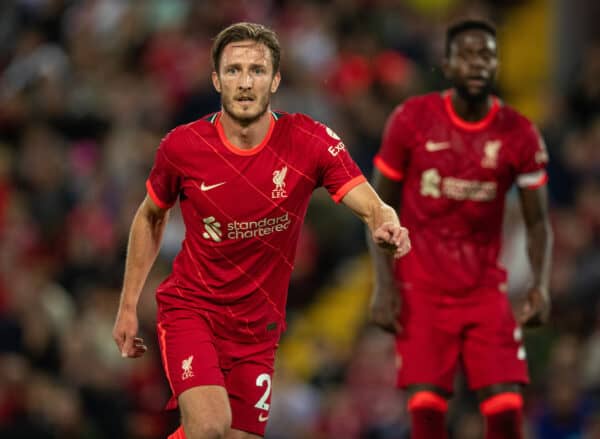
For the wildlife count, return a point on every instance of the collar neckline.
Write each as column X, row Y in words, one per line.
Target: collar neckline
column 241, row 151
column 467, row 125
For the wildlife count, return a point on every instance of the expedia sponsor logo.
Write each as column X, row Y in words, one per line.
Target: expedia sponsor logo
column 335, row 150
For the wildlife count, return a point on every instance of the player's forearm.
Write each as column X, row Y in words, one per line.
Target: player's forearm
column 366, row 204
column 380, row 213
column 383, row 264
column 144, row 243
column 539, row 246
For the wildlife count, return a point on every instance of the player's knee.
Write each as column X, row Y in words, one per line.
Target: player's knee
column 206, row 428
column 427, row 400
column 204, row 431
column 502, row 402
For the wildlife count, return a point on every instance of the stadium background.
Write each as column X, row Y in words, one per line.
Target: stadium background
column 88, row 88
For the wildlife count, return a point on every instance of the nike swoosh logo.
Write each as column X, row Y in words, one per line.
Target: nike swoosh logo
column 262, row 418
column 204, row 187
column 436, row 146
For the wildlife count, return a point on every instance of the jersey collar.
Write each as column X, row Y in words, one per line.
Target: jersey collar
column 239, row 151
column 466, row 125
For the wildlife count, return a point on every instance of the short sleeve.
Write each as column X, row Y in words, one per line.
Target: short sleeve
column 391, row 160
column 164, row 182
column 338, row 172
column 533, row 158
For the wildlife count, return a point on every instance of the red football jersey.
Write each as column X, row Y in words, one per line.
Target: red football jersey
column 455, row 177
column 243, row 211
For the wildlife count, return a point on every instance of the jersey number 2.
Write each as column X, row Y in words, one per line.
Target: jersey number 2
column 262, row 403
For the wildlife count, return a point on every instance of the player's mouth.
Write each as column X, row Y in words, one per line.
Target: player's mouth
column 244, row 99
column 477, row 81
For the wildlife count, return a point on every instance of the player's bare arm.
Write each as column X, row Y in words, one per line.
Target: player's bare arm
column 145, row 237
column 534, row 204
column 385, row 300
column 381, row 219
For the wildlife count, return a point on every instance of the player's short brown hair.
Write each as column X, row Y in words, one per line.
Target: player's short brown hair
column 242, row 32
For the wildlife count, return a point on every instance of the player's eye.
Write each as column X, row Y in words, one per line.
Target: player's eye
column 259, row 70
column 488, row 56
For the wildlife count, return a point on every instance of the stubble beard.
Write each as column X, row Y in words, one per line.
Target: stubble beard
column 478, row 98
column 246, row 120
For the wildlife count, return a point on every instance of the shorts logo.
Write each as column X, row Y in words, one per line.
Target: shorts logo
column 518, row 334
column 279, row 182
column 212, row 229
column 186, row 365
column 263, row 418
column 491, row 150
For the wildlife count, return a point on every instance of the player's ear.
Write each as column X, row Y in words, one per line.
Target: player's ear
column 275, row 82
column 497, row 70
column 216, row 82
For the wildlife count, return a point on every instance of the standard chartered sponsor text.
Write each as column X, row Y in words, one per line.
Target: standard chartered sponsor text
column 262, row 227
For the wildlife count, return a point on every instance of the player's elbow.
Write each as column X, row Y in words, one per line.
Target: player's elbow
column 152, row 213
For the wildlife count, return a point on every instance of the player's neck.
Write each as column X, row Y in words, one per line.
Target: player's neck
column 471, row 111
column 246, row 136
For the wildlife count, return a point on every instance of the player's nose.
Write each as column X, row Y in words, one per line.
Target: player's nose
column 477, row 63
column 245, row 81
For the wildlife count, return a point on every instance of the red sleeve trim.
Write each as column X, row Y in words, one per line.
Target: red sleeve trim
column 155, row 198
column 387, row 170
column 341, row 192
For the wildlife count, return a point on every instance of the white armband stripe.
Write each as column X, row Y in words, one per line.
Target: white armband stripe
column 533, row 179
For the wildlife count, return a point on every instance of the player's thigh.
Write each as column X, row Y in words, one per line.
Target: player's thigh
column 249, row 385
column 205, row 411
column 493, row 351
column 428, row 345
column 188, row 352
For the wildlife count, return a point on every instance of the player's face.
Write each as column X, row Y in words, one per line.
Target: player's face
column 472, row 64
column 246, row 80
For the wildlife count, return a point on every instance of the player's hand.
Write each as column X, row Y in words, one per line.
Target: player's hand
column 385, row 307
column 536, row 309
column 393, row 238
column 125, row 334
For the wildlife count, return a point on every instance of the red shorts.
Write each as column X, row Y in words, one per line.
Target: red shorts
column 193, row 355
column 479, row 331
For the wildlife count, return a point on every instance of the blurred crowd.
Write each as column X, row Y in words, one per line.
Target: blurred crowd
column 87, row 90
